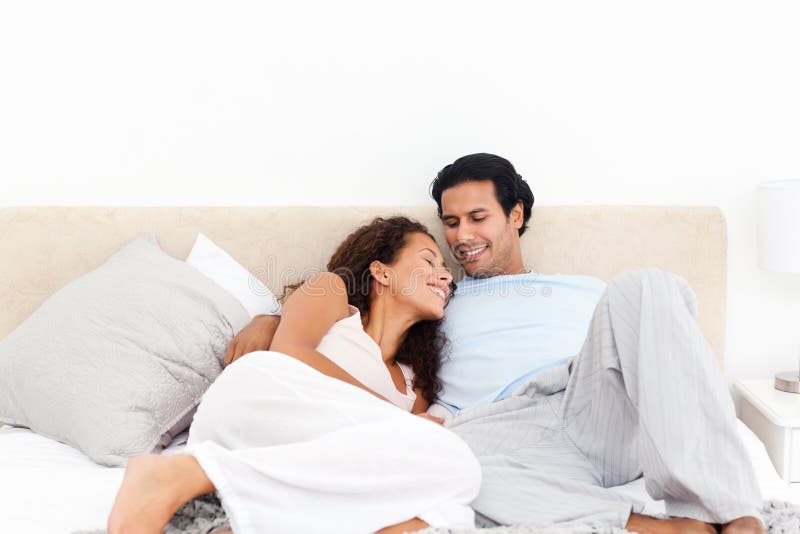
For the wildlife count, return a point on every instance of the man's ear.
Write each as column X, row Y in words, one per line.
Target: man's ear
column 517, row 215
column 379, row 272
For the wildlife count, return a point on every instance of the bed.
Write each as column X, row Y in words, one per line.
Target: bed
column 46, row 486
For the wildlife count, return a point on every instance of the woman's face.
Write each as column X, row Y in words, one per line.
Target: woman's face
column 419, row 279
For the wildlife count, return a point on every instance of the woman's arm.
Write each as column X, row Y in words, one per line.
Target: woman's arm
column 307, row 316
column 421, row 405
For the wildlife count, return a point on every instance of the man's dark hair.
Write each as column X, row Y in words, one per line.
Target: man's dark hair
column 509, row 187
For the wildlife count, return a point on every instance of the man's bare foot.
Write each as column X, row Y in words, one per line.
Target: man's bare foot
column 744, row 525
column 153, row 489
column 679, row 525
column 412, row 525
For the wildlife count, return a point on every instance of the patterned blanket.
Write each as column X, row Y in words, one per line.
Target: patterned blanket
column 779, row 517
column 205, row 515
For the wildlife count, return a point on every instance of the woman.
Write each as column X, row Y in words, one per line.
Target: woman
column 290, row 450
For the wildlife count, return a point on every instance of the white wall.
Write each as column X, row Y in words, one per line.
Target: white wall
column 362, row 102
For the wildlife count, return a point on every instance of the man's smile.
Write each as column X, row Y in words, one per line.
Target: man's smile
column 471, row 254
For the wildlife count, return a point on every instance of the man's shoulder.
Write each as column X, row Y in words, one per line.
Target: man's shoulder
column 476, row 286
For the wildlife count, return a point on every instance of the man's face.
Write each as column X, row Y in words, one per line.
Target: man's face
column 479, row 234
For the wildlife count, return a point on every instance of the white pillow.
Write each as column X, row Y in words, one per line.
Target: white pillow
column 208, row 258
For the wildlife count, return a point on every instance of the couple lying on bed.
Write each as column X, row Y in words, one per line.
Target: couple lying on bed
column 536, row 419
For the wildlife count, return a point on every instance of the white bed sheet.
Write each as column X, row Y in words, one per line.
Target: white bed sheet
column 50, row 488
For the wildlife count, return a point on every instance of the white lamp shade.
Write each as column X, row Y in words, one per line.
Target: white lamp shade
column 779, row 226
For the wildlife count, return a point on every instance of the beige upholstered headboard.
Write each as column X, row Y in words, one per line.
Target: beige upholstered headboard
column 43, row 248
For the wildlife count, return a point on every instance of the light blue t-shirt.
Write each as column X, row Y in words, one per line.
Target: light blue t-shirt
column 504, row 329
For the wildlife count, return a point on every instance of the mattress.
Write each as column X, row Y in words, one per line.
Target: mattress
column 48, row 487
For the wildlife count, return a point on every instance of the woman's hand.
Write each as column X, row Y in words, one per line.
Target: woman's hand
column 255, row 336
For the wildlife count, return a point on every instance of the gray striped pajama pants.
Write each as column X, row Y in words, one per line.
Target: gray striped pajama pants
column 644, row 397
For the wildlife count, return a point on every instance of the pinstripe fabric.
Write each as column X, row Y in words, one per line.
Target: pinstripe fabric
column 645, row 396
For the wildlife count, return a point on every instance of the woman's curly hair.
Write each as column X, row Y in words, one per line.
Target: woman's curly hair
column 382, row 240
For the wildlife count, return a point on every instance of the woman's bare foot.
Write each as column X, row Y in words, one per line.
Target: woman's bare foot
column 679, row 525
column 153, row 489
column 744, row 525
column 412, row 525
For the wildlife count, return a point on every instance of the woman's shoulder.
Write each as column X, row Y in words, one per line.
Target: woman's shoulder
column 325, row 289
column 327, row 280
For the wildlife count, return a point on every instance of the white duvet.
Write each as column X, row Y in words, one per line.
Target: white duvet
column 50, row 488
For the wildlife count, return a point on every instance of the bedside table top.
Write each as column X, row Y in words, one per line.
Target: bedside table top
column 780, row 407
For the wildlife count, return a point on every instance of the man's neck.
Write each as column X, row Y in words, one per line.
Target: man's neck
column 521, row 270
column 505, row 272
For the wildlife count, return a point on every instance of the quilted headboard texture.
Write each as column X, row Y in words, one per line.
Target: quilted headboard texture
column 43, row 248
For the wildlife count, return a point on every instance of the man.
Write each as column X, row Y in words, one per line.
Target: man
column 556, row 416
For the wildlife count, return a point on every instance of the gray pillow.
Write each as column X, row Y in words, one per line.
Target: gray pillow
column 116, row 362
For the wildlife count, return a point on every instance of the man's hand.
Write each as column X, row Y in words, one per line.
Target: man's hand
column 255, row 336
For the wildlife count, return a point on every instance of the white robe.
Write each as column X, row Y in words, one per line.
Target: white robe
column 291, row 450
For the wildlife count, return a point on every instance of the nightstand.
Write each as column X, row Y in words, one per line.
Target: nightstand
column 774, row 416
